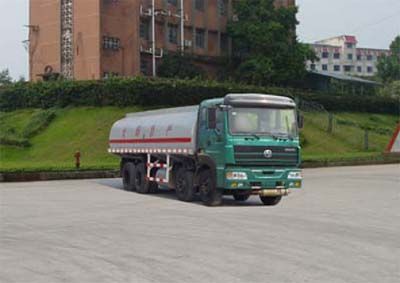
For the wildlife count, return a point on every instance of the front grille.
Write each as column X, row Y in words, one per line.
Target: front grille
column 257, row 155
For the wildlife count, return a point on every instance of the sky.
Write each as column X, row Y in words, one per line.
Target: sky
column 375, row 23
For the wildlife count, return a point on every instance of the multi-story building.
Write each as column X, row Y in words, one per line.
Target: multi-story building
column 92, row 39
column 342, row 56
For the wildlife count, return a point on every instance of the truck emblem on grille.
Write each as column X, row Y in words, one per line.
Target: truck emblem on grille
column 268, row 153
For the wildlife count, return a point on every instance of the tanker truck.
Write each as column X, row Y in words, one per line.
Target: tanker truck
column 239, row 145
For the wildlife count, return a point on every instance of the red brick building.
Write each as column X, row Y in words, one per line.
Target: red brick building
column 92, row 39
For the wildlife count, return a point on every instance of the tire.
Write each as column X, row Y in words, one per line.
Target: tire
column 209, row 193
column 270, row 200
column 153, row 187
column 241, row 197
column 184, row 185
column 141, row 183
column 128, row 176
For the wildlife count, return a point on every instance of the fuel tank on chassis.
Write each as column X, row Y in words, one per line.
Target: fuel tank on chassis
column 170, row 130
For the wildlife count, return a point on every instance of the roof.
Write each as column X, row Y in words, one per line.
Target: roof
column 344, row 77
column 350, row 39
column 258, row 100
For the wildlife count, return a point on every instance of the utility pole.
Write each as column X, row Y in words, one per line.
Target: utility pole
column 153, row 36
column 182, row 21
column 153, row 14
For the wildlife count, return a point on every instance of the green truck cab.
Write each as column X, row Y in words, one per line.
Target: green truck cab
column 254, row 143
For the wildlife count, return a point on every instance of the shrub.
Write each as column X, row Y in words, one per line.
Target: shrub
column 38, row 122
column 14, row 141
column 161, row 92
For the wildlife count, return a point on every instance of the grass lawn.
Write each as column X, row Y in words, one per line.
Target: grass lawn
column 87, row 129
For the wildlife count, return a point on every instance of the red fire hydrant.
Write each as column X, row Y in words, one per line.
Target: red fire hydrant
column 77, row 156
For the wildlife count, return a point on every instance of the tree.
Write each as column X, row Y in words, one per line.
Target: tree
column 265, row 46
column 179, row 66
column 5, row 77
column 391, row 89
column 389, row 66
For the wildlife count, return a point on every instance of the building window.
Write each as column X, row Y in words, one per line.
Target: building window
column 200, row 38
column 112, row 43
column 349, row 45
column 359, row 69
column 110, row 2
column 324, row 67
column 199, row 5
column 325, row 54
column 336, row 68
column 370, row 57
column 359, row 57
column 347, row 68
column 221, row 7
column 336, row 55
column 173, row 2
column 224, row 43
column 144, row 66
column 312, row 67
column 173, row 34
column 107, row 75
column 144, row 29
column 370, row 69
column 350, row 56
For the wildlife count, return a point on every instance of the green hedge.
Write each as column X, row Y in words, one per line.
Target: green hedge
column 157, row 92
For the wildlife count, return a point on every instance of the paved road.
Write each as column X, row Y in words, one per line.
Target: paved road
column 343, row 227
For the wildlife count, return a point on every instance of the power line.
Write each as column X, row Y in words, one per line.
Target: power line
column 377, row 22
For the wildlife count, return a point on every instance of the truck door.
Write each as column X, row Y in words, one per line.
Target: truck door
column 212, row 133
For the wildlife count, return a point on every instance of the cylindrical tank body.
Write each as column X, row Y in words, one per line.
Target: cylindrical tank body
column 170, row 130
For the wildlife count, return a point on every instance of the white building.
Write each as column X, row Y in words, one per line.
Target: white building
column 341, row 55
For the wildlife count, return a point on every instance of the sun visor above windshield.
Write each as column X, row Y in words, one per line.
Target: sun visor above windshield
column 259, row 100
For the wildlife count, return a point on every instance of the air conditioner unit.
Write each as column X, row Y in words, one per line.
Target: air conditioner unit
column 188, row 43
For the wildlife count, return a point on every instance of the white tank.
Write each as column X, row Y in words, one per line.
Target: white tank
column 170, row 130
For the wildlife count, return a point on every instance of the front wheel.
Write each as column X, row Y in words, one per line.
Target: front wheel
column 271, row 200
column 209, row 193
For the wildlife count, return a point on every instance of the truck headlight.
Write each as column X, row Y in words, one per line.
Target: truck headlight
column 295, row 175
column 236, row 176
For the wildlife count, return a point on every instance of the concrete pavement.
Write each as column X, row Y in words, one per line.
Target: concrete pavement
column 344, row 226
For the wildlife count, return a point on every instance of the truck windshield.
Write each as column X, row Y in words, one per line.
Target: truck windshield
column 263, row 121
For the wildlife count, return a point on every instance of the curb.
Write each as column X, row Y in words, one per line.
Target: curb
column 48, row 176
column 101, row 174
column 322, row 164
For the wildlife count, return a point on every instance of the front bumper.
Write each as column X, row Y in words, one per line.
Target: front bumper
column 263, row 178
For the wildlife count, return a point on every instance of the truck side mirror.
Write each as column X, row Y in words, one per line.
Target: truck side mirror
column 212, row 118
column 300, row 121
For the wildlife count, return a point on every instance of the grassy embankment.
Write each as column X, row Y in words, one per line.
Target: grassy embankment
column 87, row 128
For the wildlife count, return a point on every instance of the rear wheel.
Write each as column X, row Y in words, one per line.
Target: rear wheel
column 241, row 196
column 128, row 176
column 143, row 185
column 270, row 200
column 184, row 185
column 209, row 193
